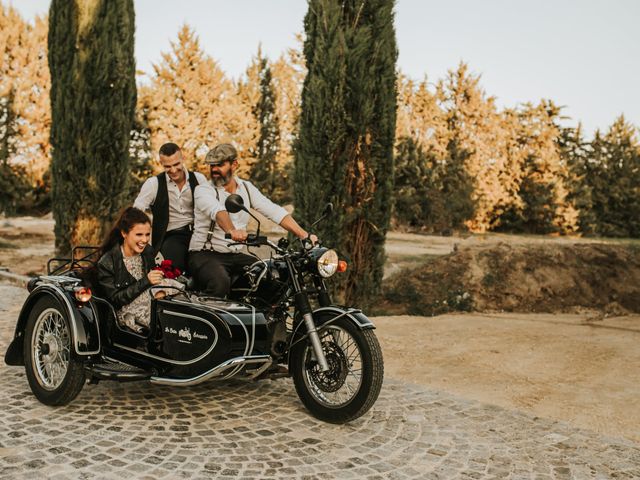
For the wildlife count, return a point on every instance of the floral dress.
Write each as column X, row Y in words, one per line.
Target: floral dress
column 137, row 314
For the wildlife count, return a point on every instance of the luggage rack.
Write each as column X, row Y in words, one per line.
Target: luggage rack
column 76, row 262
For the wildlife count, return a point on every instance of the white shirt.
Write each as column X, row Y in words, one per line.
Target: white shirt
column 180, row 199
column 206, row 200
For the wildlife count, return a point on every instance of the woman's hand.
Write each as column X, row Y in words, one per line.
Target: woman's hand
column 155, row 277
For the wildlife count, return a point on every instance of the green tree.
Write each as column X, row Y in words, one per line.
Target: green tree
column 419, row 200
column 288, row 75
column 576, row 154
column 347, row 128
column 93, row 98
column 265, row 173
column 613, row 176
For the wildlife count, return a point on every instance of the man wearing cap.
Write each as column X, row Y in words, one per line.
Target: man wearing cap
column 169, row 196
column 212, row 260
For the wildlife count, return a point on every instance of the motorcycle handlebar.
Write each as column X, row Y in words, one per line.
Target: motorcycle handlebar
column 252, row 240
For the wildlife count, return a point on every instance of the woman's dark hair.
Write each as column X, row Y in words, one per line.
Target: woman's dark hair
column 128, row 218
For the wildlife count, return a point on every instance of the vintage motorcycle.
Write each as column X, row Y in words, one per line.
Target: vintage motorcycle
column 279, row 320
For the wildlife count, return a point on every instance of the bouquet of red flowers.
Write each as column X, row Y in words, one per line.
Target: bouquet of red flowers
column 167, row 269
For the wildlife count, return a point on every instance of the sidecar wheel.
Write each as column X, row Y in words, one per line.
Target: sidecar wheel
column 351, row 385
column 55, row 374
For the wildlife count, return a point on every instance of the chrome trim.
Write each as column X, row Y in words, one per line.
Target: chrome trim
column 177, row 362
column 216, row 371
column 70, row 310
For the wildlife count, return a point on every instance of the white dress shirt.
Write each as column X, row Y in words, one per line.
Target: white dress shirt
column 208, row 199
column 180, row 199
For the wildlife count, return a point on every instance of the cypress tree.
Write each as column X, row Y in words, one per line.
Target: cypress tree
column 344, row 153
column 265, row 170
column 93, row 98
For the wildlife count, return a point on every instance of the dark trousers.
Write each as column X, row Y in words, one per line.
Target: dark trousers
column 175, row 247
column 212, row 271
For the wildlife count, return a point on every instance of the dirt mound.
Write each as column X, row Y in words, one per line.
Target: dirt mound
column 520, row 278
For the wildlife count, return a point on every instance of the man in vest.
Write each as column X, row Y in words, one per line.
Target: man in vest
column 212, row 261
column 169, row 195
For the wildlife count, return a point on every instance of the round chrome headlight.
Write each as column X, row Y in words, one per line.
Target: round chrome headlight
column 328, row 263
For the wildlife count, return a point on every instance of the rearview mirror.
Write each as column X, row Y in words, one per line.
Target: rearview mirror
column 234, row 203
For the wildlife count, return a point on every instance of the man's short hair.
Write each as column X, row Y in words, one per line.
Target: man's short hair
column 169, row 149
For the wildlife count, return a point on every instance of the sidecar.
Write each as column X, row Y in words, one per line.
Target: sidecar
column 66, row 334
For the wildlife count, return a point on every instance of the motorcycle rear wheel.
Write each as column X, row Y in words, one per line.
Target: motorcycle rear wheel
column 55, row 374
column 351, row 385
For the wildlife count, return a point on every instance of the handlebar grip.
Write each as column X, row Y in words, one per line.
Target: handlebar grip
column 227, row 236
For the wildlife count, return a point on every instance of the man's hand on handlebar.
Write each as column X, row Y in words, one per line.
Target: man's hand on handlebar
column 237, row 235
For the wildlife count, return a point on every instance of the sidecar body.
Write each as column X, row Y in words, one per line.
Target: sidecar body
column 191, row 338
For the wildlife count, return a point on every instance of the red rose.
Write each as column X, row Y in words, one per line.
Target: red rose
column 167, row 269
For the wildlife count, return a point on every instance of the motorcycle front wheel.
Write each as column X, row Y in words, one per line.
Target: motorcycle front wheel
column 55, row 374
column 351, row 385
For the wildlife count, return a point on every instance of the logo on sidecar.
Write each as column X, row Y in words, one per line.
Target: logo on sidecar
column 185, row 333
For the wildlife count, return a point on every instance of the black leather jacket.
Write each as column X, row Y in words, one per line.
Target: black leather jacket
column 115, row 283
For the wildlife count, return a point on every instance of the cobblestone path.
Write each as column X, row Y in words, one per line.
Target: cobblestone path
column 261, row 430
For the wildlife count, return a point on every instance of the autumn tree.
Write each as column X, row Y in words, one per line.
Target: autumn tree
column 543, row 206
column 13, row 184
column 193, row 104
column 24, row 77
column 347, row 129
column 93, row 98
column 476, row 145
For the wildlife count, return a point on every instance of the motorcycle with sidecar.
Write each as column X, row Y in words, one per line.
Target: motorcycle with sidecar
column 279, row 320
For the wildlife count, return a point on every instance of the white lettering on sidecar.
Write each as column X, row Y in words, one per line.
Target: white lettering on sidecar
column 185, row 335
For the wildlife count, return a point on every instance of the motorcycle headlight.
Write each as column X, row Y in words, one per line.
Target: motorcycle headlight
column 328, row 263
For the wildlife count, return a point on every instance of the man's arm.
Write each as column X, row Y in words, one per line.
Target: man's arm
column 290, row 225
column 206, row 201
column 277, row 214
column 147, row 195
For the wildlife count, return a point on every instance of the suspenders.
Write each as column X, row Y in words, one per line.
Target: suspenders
column 208, row 244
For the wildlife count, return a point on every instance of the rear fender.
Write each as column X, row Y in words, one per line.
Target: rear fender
column 85, row 331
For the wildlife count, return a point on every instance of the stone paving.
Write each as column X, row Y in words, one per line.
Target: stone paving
column 261, row 430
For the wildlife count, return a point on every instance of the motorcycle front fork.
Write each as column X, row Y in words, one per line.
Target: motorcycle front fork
column 303, row 306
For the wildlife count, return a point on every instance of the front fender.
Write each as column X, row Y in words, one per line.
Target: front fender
column 326, row 314
column 85, row 331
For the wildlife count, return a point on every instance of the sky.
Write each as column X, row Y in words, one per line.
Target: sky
column 582, row 54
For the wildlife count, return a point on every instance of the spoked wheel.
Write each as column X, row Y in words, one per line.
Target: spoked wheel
column 351, row 385
column 55, row 375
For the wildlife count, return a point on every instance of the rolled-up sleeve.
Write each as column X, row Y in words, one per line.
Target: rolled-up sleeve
column 147, row 195
column 266, row 207
column 206, row 202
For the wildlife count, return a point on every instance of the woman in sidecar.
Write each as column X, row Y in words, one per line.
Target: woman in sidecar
column 126, row 270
